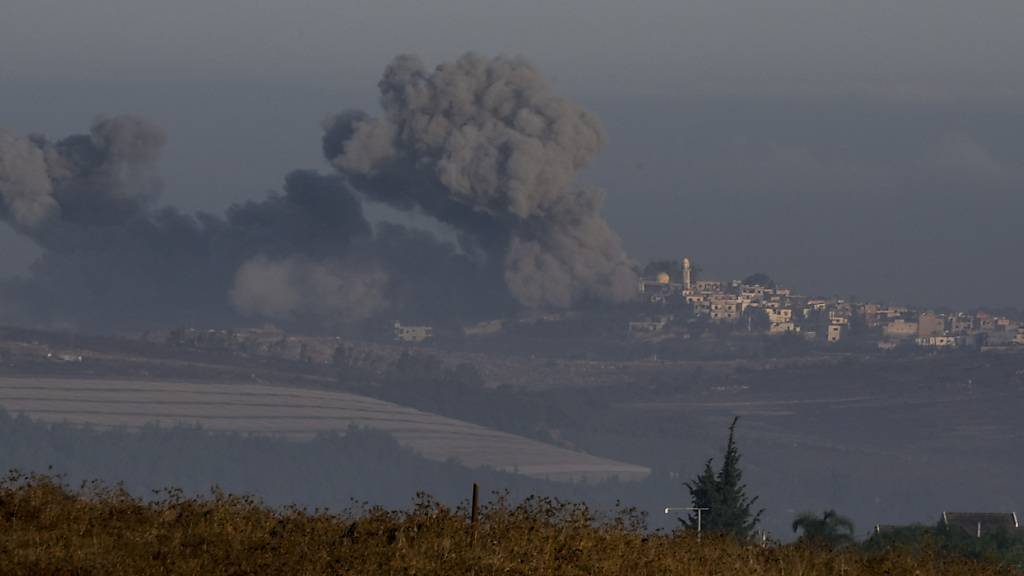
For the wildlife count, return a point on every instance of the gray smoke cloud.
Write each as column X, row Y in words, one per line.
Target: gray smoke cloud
column 307, row 256
column 482, row 144
column 296, row 289
column 26, row 192
column 104, row 177
column 113, row 258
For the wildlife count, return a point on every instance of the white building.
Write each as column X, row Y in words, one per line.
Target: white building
column 724, row 309
column 413, row 333
column 815, row 305
column 779, row 315
column 752, row 292
column 838, row 317
column 783, row 328
column 708, row 286
column 900, row 328
column 937, row 341
column 649, row 326
column 929, row 324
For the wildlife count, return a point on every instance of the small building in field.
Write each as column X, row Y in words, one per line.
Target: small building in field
column 484, row 328
column 413, row 333
column 648, row 326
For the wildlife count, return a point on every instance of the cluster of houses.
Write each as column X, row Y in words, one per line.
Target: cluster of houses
column 757, row 305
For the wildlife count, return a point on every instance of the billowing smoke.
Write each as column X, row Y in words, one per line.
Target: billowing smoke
column 26, row 193
column 480, row 145
column 483, row 145
column 105, row 177
column 112, row 258
column 294, row 289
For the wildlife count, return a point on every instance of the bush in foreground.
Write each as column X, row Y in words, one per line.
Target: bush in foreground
column 45, row 528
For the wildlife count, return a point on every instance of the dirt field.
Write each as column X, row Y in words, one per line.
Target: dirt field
column 297, row 413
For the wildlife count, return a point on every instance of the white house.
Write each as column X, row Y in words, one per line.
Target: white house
column 412, row 333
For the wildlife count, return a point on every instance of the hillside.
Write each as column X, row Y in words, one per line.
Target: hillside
column 300, row 414
column 886, row 438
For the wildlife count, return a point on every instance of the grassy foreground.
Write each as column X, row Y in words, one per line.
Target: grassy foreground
column 47, row 529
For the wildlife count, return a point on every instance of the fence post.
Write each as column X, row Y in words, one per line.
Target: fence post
column 474, row 508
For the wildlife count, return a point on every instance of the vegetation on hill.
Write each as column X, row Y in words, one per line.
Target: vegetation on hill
column 996, row 546
column 47, row 529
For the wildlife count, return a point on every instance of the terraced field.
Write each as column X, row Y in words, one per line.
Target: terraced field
column 299, row 414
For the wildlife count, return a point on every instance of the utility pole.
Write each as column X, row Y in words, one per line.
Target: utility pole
column 698, row 510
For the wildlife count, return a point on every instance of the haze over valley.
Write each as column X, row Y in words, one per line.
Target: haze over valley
column 352, row 253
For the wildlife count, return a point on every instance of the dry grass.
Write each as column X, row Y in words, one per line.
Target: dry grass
column 47, row 529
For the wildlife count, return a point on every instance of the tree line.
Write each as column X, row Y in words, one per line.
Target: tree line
column 721, row 506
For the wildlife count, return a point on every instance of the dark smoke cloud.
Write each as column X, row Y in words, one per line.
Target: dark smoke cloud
column 113, row 259
column 480, row 145
column 144, row 267
column 102, row 178
column 483, row 145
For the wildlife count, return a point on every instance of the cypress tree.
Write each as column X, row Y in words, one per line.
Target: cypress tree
column 703, row 494
column 725, row 496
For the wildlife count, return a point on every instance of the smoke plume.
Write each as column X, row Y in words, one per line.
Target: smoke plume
column 480, row 145
column 26, row 193
column 483, row 145
column 294, row 288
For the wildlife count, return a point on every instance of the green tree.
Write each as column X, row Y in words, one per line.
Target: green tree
column 724, row 495
column 828, row 530
column 703, row 494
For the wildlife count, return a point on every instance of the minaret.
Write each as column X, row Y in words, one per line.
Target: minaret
column 687, row 273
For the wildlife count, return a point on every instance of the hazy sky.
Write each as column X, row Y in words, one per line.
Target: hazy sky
column 869, row 147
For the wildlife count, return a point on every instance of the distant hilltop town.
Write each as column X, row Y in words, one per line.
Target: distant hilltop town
column 690, row 314
column 757, row 305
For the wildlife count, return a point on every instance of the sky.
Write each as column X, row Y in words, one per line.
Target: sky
column 870, row 148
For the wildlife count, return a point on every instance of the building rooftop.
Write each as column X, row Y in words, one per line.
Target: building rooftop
column 978, row 523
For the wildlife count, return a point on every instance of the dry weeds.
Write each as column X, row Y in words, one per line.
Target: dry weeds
column 47, row 529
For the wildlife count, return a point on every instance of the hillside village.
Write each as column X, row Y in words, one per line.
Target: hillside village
column 672, row 305
column 757, row 305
